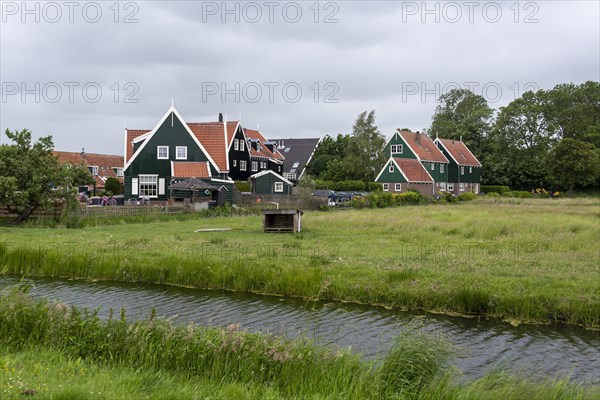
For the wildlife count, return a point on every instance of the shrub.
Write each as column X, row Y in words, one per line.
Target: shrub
column 492, row 194
column 112, row 185
column 347, row 186
column 449, row 197
column 243, row 186
column 468, row 196
column 495, row 189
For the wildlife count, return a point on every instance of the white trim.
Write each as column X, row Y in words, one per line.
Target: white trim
column 396, row 152
column 153, row 131
column 135, row 186
column 268, row 171
column 309, row 158
column 389, row 140
column 408, row 144
column 158, row 148
column 245, row 165
column 396, row 187
column 391, row 169
column 141, row 137
column 125, row 146
column 221, row 180
column 447, row 151
column 177, row 152
column 161, row 186
column 225, row 142
column 385, row 187
column 277, row 184
column 437, row 140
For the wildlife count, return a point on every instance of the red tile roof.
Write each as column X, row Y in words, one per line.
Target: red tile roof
column 212, row 137
column 104, row 162
column 231, row 125
column 413, row 170
column 422, row 144
column 264, row 151
column 190, row 169
column 132, row 134
column 460, row 152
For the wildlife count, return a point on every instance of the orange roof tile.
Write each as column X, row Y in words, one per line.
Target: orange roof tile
column 104, row 162
column 132, row 134
column 231, row 125
column 460, row 152
column 212, row 137
column 422, row 144
column 190, row 169
column 413, row 170
column 264, row 151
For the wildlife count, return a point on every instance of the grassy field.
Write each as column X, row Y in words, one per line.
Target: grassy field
column 529, row 260
column 51, row 351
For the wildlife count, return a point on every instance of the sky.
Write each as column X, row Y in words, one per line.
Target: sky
column 82, row 71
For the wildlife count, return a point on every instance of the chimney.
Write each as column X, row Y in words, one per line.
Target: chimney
column 220, row 117
column 418, row 137
column 82, row 153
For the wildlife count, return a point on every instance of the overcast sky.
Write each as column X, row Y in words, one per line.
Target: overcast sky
column 81, row 71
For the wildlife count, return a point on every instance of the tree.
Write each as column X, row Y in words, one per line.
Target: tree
column 31, row 177
column 365, row 156
column 462, row 113
column 112, row 185
column 329, row 149
column 573, row 162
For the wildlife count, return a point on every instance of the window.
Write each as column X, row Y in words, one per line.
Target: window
column 148, row 185
column 93, row 169
column 470, row 170
column 442, row 168
column 242, row 164
column 181, row 152
column 432, row 166
column 443, row 186
column 236, row 144
column 242, row 145
column 451, row 187
column 279, row 187
column 461, row 187
column 391, row 168
column 162, row 152
column 397, row 149
column 263, row 165
column 462, row 170
column 398, row 187
column 296, row 164
column 235, row 163
column 254, row 166
column 386, row 187
column 118, row 171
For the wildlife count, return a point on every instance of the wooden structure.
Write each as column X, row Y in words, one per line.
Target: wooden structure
column 282, row 221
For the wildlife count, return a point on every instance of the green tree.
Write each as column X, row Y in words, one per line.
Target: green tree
column 112, row 185
column 365, row 156
column 329, row 149
column 572, row 162
column 31, row 177
column 462, row 113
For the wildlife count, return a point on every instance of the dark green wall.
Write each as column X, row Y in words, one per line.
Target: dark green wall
column 397, row 139
column 265, row 185
column 387, row 176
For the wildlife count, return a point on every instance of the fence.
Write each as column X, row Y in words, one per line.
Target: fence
column 54, row 210
column 130, row 210
column 270, row 201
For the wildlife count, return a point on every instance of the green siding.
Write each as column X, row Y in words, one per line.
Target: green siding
column 266, row 185
column 436, row 174
column 387, row 176
column 454, row 174
column 397, row 139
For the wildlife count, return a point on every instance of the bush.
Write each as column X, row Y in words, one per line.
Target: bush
column 449, row 197
column 347, row 186
column 386, row 199
column 468, row 196
column 494, row 189
column 243, row 186
column 112, row 185
column 492, row 194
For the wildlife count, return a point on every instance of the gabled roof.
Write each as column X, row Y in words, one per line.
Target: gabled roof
column 192, row 184
column 412, row 170
column 130, row 135
column 459, row 152
column 423, row 146
column 264, row 151
column 190, row 169
column 104, row 162
column 268, row 171
column 231, row 130
column 213, row 136
column 296, row 151
column 148, row 135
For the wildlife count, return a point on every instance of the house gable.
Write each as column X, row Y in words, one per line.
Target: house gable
column 397, row 140
column 395, row 176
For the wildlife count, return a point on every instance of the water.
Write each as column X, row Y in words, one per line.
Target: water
column 536, row 352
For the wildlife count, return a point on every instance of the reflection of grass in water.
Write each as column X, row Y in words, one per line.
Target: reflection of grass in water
column 59, row 352
column 535, row 261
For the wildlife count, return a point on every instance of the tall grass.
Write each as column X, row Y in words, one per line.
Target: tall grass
column 239, row 364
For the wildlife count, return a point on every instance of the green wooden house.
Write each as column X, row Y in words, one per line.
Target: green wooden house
column 175, row 150
column 403, row 174
column 270, row 182
column 464, row 170
column 418, row 146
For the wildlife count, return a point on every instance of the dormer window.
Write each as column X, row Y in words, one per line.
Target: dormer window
column 93, row 169
column 118, row 171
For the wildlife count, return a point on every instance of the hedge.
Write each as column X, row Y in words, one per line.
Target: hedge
column 385, row 199
column 347, row 186
column 496, row 189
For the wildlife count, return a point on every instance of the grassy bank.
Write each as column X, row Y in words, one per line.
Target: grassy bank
column 526, row 260
column 52, row 351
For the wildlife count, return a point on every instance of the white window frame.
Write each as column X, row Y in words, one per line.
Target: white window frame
column 254, row 166
column 450, row 187
column 236, row 144
column 243, row 165
column 158, row 149
column 470, row 170
column 151, row 181
column 242, row 145
column 461, row 186
column 119, row 171
column 386, row 187
column 263, row 165
column 462, row 169
column 441, row 168
column 391, row 168
column 182, row 157
column 94, row 169
column 443, row 186
column 433, row 166
column 397, row 187
column 397, row 147
column 278, row 187
column 235, row 163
